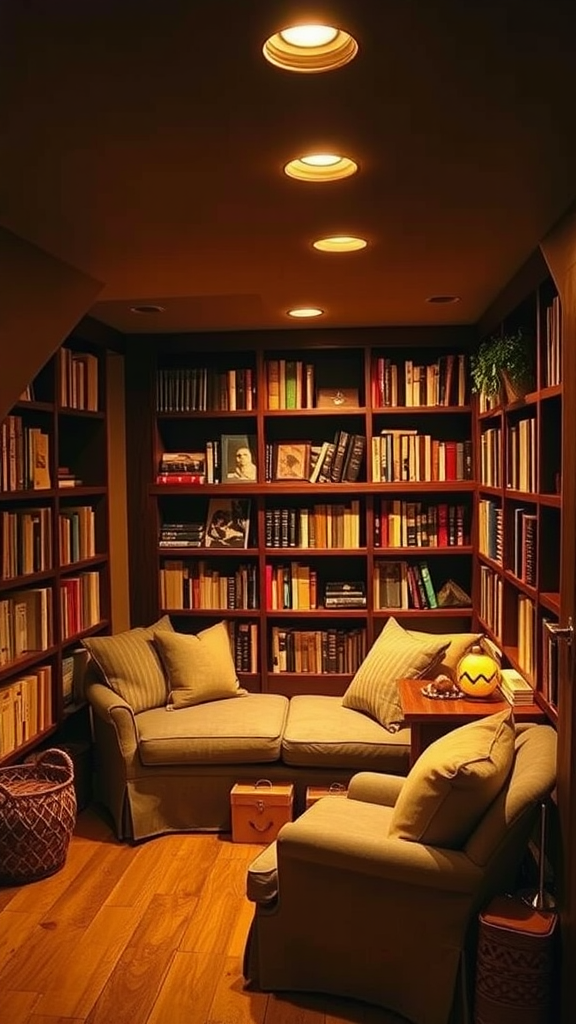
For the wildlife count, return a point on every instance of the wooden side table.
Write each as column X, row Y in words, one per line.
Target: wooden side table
column 430, row 718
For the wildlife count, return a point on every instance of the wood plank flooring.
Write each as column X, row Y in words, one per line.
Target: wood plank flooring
column 148, row 934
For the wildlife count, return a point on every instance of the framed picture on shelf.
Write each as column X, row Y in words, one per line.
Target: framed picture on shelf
column 292, row 461
column 239, row 461
column 227, row 523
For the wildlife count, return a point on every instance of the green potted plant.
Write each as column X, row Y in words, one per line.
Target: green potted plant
column 503, row 360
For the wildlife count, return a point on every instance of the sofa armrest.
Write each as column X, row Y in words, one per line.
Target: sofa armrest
column 375, row 788
column 114, row 710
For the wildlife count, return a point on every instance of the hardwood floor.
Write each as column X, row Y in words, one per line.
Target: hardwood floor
column 150, row 934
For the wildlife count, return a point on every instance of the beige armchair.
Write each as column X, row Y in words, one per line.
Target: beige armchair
column 345, row 905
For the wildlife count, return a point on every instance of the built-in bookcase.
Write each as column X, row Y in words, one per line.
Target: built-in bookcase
column 350, row 433
column 519, row 504
column 54, row 570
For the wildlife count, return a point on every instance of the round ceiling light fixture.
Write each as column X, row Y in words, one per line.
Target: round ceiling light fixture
column 305, row 312
column 310, row 48
column 340, row 243
column 145, row 309
column 320, row 167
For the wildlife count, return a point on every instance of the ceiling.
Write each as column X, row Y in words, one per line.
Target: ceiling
column 143, row 141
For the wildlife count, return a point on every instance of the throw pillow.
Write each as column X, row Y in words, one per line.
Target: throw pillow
column 454, row 781
column 459, row 645
column 130, row 664
column 199, row 666
column 394, row 655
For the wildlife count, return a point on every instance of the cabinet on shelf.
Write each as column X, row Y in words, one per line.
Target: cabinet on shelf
column 316, row 507
column 519, row 503
column 54, row 573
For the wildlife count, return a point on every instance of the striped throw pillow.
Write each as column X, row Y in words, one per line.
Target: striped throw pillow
column 130, row 665
column 394, row 655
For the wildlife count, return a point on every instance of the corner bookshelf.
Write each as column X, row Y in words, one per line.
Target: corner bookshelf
column 54, row 571
column 397, row 404
column 519, row 503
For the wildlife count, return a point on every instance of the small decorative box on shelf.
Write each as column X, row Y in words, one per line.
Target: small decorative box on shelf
column 259, row 809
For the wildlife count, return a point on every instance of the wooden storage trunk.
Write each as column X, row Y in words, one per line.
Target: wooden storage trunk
column 314, row 793
column 259, row 809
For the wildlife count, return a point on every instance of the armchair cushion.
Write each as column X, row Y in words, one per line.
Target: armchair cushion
column 129, row 664
column 394, row 655
column 454, row 781
column 199, row 666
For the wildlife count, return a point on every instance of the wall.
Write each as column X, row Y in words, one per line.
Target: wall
column 42, row 300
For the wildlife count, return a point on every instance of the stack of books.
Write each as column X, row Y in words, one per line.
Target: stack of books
column 182, row 535
column 515, row 688
column 182, row 468
column 345, row 595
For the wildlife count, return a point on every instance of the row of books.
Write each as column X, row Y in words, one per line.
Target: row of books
column 317, row 651
column 333, row 525
column 343, row 594
column 25, row 709
column 205, row 389
column 200, row 585
column 401, row 524
column 491, row 457
column 182, row 535
column 244, row 645
column 491, row 599
column 552, row 363
column 76, row 533
column 25, row 623
column 526, row 634
column 329, row 462
column 524, row 545
column 443, row 382
column 407, row 455
column 490, row 529
column 290, row 384
column 78, row 380
column 25, row 542
column 521, row 456
column 79, row 602
column 401, row 584
column 24, row 456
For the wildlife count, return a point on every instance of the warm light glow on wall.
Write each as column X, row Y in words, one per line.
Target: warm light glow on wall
column 320, row 167
column 310, row 48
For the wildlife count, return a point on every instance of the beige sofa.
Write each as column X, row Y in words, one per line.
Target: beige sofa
column 174, row 731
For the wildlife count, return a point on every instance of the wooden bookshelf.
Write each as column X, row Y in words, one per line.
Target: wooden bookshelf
column 304, row 535
column 54, row 565
column 519, row 503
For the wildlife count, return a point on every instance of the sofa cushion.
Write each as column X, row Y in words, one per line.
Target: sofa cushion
column 130, row 665
column 454, row 781
column 247, row 731
column 321, row 733
column 459, row 645
column 199, row 666
column 394, row 655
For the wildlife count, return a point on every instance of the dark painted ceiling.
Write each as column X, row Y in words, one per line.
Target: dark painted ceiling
column 143, row 142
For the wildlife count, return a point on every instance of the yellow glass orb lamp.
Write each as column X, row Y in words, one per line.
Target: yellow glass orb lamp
column 478, row 674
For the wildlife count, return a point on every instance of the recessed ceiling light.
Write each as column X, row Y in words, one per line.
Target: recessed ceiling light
column 443, row 299
column 303, row 312
column 320, row 167
column 147, row 309
column 340, row 243
column 310, row 48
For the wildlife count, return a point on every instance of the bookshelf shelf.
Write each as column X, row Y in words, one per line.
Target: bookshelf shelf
column 40, row 610
column 294, row 377
column 518, row 593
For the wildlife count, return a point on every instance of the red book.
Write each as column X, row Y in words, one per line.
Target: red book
column 180, row 478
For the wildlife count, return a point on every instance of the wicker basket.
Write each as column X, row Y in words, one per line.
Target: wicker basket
column 37, row 816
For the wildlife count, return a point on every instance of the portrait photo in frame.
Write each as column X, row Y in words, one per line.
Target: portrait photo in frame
column 227, row 523
column 239, row 462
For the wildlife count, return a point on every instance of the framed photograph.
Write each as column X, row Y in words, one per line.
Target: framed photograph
column 239, row 458
column 292, row 461
column 227, row 523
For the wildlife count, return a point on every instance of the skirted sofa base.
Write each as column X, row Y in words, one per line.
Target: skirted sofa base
column 161, row 771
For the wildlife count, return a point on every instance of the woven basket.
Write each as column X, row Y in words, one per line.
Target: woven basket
column 37, row 816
